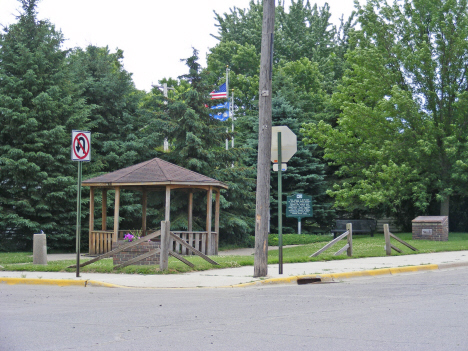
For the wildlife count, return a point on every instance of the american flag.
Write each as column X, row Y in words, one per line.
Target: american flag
column 220, row 93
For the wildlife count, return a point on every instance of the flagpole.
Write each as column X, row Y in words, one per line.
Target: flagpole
column 231, row 114
column 227, row 83
column 227, row 98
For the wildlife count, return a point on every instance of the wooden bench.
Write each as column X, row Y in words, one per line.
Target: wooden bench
column 360, row 226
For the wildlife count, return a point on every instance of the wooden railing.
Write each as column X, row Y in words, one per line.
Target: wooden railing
column 197, row 240
column 100, row 241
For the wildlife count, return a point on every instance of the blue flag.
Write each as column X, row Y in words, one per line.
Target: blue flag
column 221, row 115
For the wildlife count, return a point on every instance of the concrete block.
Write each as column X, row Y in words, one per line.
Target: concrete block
column 39, row 249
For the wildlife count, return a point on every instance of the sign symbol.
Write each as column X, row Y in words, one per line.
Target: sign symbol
column 81, row 144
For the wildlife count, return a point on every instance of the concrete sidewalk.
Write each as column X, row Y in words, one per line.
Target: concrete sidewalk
column 243, row 276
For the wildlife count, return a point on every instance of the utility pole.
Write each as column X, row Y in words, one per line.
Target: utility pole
column 264, row 142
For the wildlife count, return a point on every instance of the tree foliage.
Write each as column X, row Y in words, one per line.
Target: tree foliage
column 38, row 107
column 401, row 136
column 197, row 142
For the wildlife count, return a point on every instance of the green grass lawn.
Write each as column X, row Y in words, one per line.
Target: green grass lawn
column 363, row 246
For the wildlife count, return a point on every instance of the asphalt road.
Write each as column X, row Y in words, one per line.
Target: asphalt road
column 422, row 311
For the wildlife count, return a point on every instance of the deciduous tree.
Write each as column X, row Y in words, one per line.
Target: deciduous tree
column 402, row 134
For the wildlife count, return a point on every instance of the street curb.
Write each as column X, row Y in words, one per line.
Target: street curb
column 104, row 285
column 38, row 281
column 346, row 275
column 331, row 277
column 57, row 282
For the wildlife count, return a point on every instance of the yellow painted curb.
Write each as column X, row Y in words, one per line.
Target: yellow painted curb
column 408, row 269
column 280, row 280
column 104, row 285
column 338, row 276
column 37, row 281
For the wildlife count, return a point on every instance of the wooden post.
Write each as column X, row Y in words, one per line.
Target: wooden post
column 167, row 216
column 264, row 142
column 190, row 221
column 388, row 244
column 91, row 221
column 165, row 240
column 217, row 208
column 104, row 209
column 144, row 204
column 349, row 228
column 190, row 211
column 209, row 213
column 116, row 214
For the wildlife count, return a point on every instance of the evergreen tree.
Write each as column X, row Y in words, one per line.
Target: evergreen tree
column 124, row 129
column 38, row 109
column 197, row 142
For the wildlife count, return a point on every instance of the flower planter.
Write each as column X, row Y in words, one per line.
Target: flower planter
column 136, row 251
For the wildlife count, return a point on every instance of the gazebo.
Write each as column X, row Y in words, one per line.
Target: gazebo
column 154, row 175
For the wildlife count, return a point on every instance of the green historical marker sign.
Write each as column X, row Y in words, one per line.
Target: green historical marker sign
column 299, row 206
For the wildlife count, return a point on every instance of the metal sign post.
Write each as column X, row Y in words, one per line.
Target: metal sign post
column 81, row 151
column 78, row 220
column 280, row 207
column 282, row 149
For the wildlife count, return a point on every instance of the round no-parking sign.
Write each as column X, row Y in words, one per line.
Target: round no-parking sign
column 81, row 146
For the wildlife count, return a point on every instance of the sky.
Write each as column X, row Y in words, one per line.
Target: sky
column 154, row 34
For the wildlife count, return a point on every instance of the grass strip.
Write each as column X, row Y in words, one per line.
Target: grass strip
column 363, row 246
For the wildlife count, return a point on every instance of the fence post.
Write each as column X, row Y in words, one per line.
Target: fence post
column 388, row 245
column 165, row 240
column 349, row 228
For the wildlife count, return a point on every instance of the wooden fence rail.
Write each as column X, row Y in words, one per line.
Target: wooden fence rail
column 348, row 247
column 173, row 244
column 388, row 244
column 120, row 248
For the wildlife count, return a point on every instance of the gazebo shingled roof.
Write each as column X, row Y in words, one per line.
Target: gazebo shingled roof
column 153, row 172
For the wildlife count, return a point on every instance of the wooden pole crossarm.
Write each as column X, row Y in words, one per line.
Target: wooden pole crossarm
column 395, row 248
column 138, row 258
column 195, row 251
column 330, row 244
column 121, row 248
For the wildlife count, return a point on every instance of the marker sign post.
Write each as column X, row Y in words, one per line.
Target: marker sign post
column 299, row 206
column 81, row 152
column 283, row 147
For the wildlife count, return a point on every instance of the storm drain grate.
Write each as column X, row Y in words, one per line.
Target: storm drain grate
column 302, row 281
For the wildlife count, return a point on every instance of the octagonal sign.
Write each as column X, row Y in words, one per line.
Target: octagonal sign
column 288, row 143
